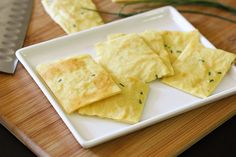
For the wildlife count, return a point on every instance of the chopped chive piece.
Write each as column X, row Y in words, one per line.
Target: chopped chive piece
column 156, row 76
column 211, row 80
column 140, row 101
column 171, row 51
column 201, row 60
column 178, row 51
column 209, row 73
column 122, row 85
column 59, row 80
column 141, row 93
column 93, row 75
column 74, row 25
column 219, row 72
column 165, row 45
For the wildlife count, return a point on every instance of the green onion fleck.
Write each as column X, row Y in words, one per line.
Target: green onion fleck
column 219, row 72
column 141, row 93
column 156, row 76
column 59, row 80
column 140, row 101
column 165, row 45
column 74, row 25
column 209, row 73
column 178, row 51
column 93, row 75
column 201, row 60
column 122, row 85
column 211, row 80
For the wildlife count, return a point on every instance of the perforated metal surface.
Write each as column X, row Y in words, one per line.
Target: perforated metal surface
column 14, row 18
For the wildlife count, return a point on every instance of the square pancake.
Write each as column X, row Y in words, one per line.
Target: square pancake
column 175, row 42
column 154, row 40
column 124, row 107
column 130, row 56
column 199, row 70
column 71, row 15
column 77, row 81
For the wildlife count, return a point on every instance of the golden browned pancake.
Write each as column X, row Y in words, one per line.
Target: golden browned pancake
column 77, row 81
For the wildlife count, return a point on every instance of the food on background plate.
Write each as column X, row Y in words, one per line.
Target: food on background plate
column 77, row 81
column 175, row 42
column 71, row 15
column 124, row 107
column 130, row 56
column 199, row 70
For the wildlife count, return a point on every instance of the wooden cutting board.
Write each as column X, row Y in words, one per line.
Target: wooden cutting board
column 26, row 112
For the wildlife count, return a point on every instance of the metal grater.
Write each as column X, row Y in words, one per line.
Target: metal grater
column 14, row 19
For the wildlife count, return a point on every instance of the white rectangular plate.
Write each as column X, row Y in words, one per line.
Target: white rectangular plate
column 163, row 101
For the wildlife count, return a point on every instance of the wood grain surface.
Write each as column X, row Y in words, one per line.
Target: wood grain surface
column 26, row 112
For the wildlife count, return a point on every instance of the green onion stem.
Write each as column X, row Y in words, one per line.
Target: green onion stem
column 208, row 3
column 122, row 15
column 207, row 14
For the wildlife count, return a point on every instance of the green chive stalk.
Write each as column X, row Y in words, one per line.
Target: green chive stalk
column 123, row 15
column 206, row 3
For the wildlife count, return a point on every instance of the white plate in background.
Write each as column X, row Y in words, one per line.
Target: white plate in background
column 163, row 101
